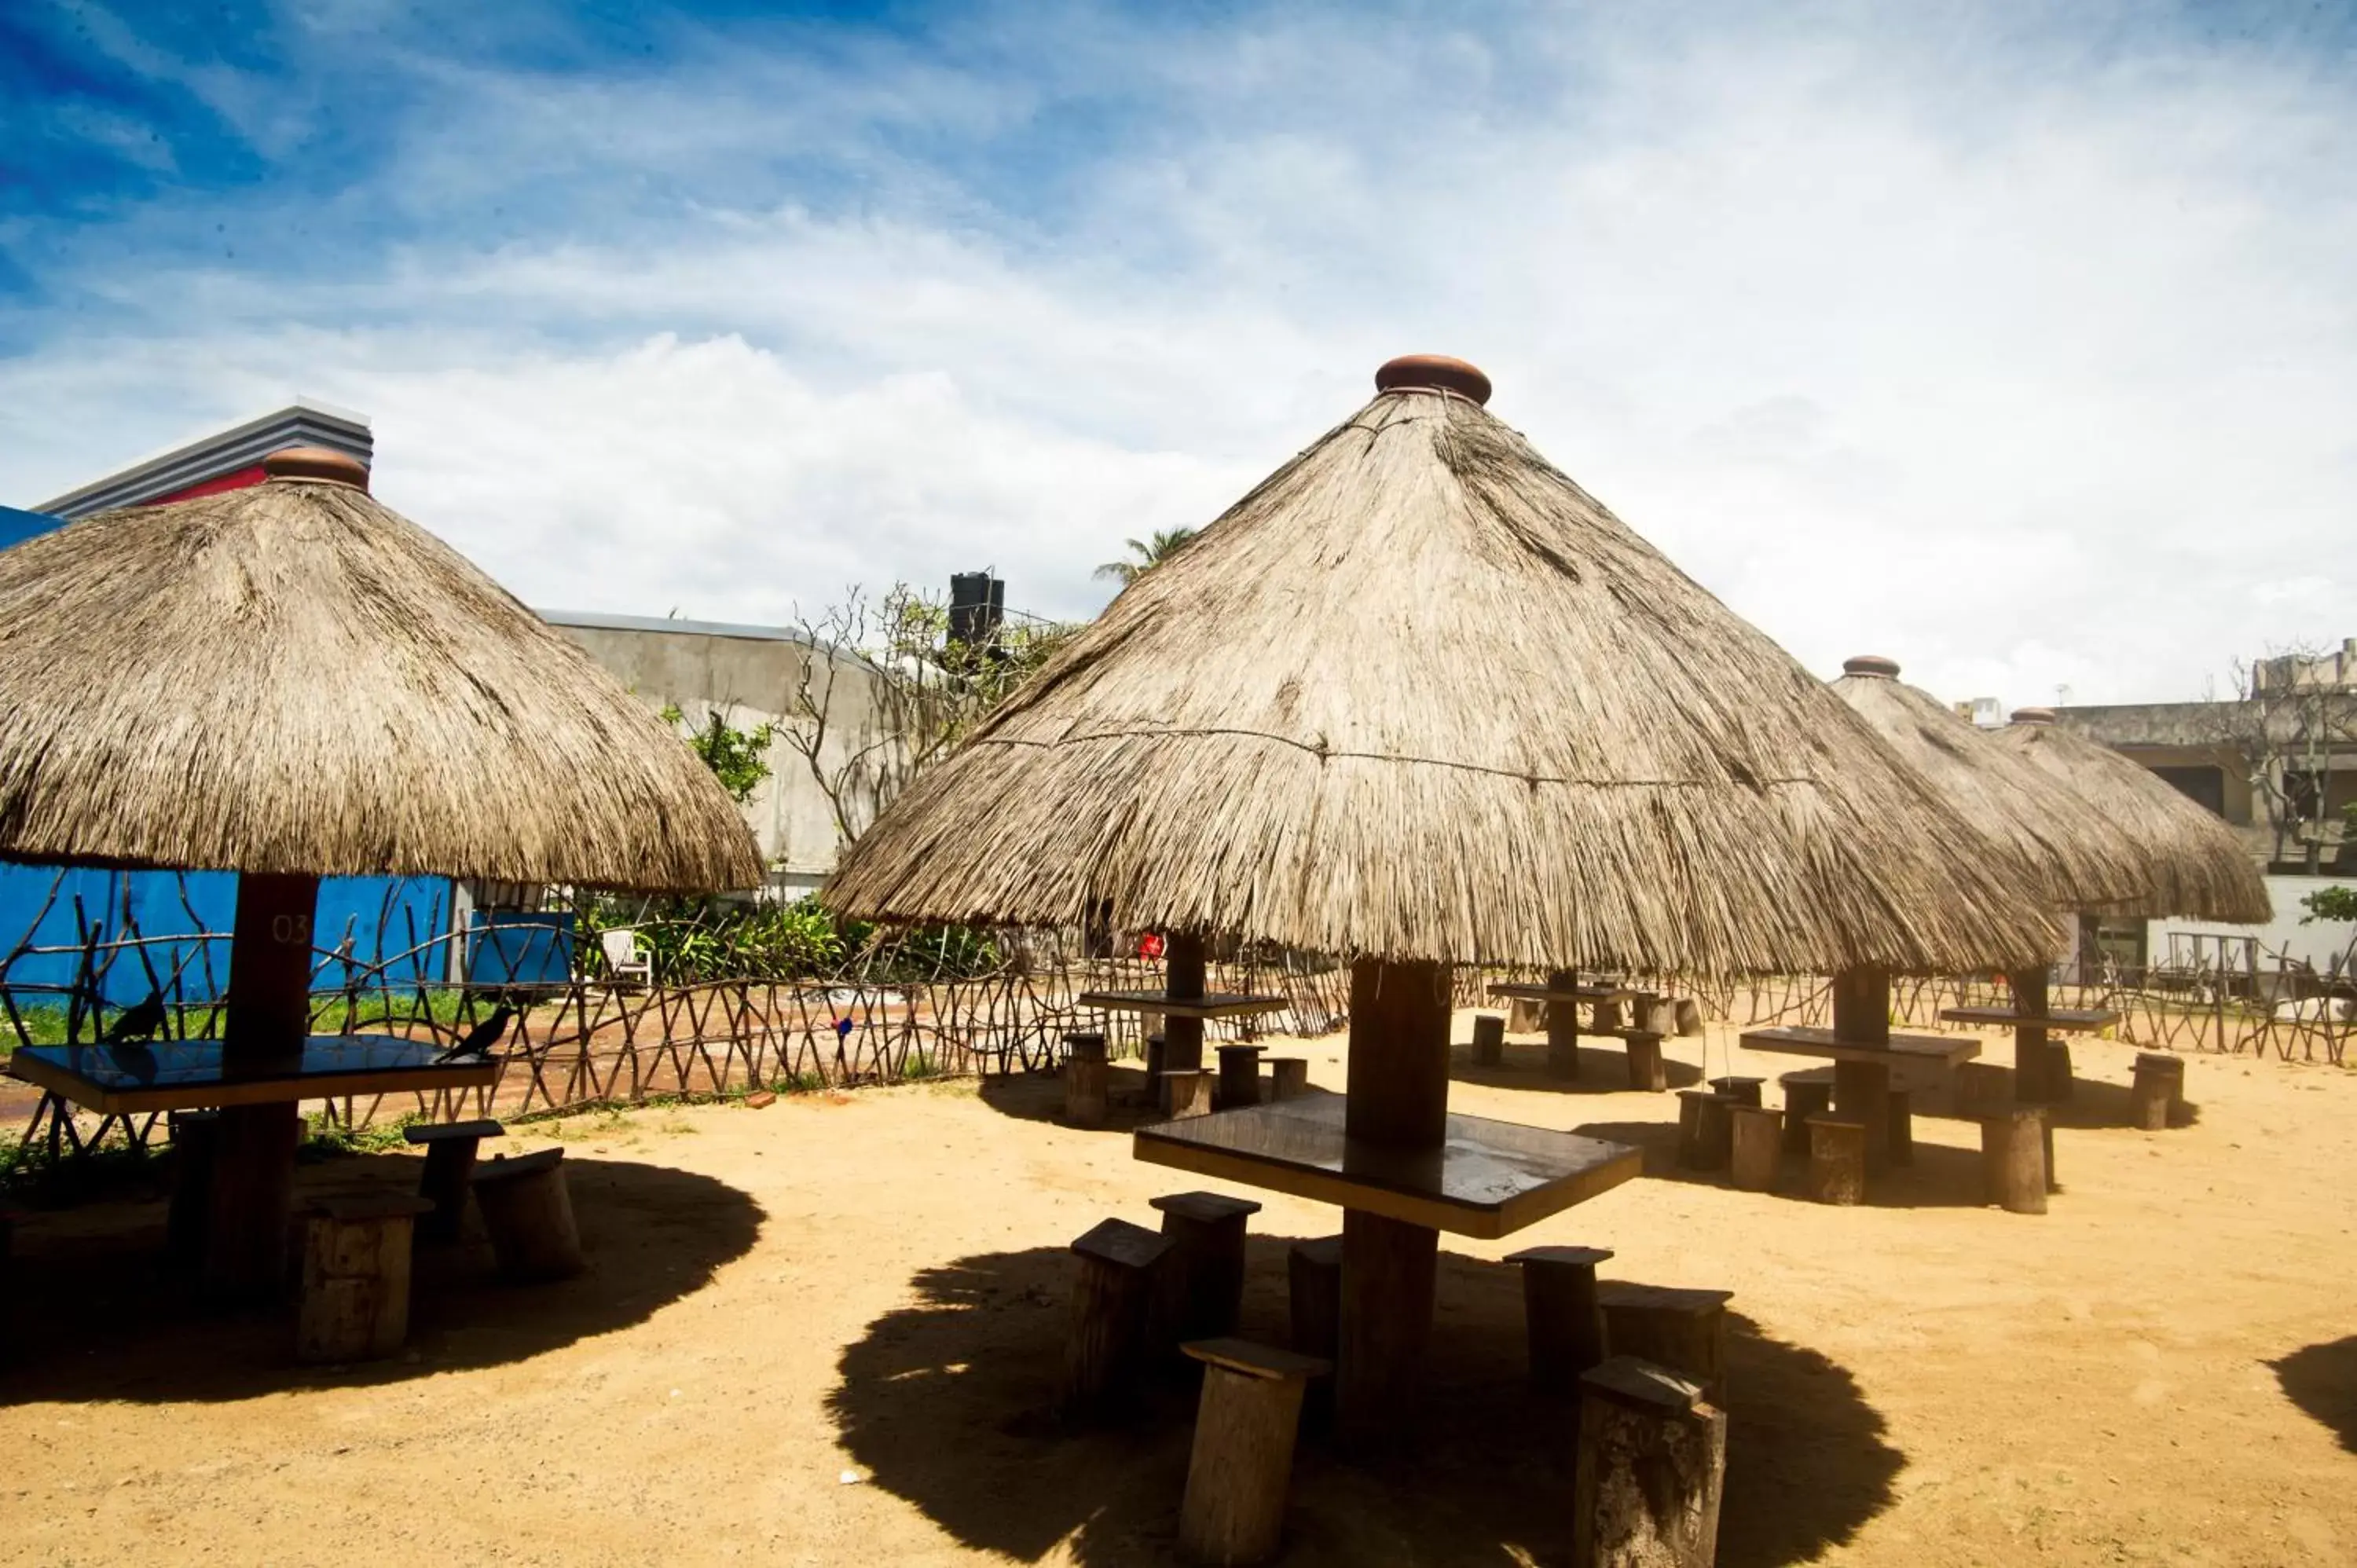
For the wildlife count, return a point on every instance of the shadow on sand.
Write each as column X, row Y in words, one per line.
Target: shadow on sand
column 2322, row 1380
column 110, row 1321
column 1603, row 1069
column 950, row 1404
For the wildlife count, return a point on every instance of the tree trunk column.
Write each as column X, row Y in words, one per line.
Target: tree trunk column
column 269, row 1014
column 1182, row 1038
column 1563, row 1028
column 1398, row 1097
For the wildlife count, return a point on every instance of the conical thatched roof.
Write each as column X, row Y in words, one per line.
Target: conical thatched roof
column 292, row 678
column 1419, row 696
column 2195, row 864
column 2078, row 856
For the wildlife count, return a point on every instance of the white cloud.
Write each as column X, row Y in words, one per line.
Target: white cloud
column 2029, row 362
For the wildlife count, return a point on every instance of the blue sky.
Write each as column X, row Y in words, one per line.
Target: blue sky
column 2018, row 342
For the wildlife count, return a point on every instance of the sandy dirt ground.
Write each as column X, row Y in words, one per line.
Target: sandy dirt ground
column 828, row 1332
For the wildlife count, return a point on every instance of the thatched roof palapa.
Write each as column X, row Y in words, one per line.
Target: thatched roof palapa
column 292, row 678
column 1418, row 696
column 2079, row 858
column 2195, row 866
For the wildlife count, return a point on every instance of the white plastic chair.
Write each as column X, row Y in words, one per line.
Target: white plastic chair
column 626, row 957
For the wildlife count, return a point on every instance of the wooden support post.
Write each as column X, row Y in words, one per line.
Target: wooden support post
column 1562, row 1315
column 1241, row 1466
column 1836, row 1160
column 2159, row 1089
column 1289, row 1077
column 1489, row 1039
column 2013, row 1159
column 1087, row 1079
column 1862, row 1007
column 1651, row 1468
column 1902, row 1128
column 1183, row 970
column 1186, row 1092
column 1759, row 1148
column 1684, row 1330
column 1740, row 1090
column 1113, row 1296
column 1156, row 1047
column 268, row 1016
column 1205, row 1266
column 1607, row 1017
column 1807, row 1093
column 1239, row 1076
column 1862, row 1095
column 2034, row 1080
column 196, row 1139
column 1313, row 1277
column 1398, row 1096
column 1646, row 1073
column 1562, row 1028
column 450, row 1151
column 356, row 1254
column 529, row 1213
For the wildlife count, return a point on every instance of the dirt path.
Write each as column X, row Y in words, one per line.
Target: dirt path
column 2162, row 1370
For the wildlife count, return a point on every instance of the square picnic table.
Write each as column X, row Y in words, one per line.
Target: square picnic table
column 1562, row 994
column 1862, row 1069
column 182, row 1075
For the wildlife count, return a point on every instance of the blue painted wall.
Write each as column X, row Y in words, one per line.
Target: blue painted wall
column 398, row 922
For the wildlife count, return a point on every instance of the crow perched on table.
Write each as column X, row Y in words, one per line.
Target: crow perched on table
column 140, row 1021
column 482, row 1037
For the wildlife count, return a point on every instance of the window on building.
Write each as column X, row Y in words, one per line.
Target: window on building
column 2203, row 786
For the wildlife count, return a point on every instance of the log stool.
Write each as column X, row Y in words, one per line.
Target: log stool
column 1657, row 1015
column 1808, row 1092
column 1562, row 1317
column 1759, row 1146
column 1313, row 1277
column 1289, row 1077
column 1113, row 1294
column 1524, row 1016
column 1740, row 1090
column 1205, row 1270
column 1242, row 1461
column 1981, row 1089
column 2013, row 1159
column 1154, row 1063
column 1902, row 1128
column 1705, row 1130
column 196, row 1135
column 2157, row 1096
column 1607, row 1017
column 1186, row 1092
column 1651, row 1468
column 529, row 1213
column 1684, row 1330
column 1086, row 1078
column 1646, row 1073
column 1489, row 1039
column 356, row 1252
column 450, row 1149
column 1239, row 1076
column 1836, row 1160
column 1689, row 1016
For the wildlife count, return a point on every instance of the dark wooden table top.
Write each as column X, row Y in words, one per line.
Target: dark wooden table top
column 1800, row 1041
column 2057, row 1018
column 1218, row 1004
column 181, row 1075
column 1488, row 1179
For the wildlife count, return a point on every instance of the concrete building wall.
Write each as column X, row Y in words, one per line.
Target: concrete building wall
column 749, row 674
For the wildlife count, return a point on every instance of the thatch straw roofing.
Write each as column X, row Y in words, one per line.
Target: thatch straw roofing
column 2076, row 855
column 1419, row 696
column 2195, row 864
column 292, row 678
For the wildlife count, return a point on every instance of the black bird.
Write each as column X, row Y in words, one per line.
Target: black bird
column 482, row 1037
column 141, row 1021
